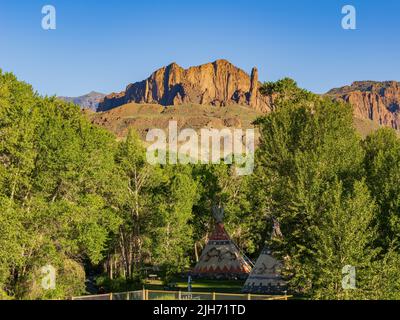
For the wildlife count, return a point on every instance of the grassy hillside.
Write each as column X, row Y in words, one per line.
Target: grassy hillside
column 143, row 117
column 147, row 116
column 365, row 126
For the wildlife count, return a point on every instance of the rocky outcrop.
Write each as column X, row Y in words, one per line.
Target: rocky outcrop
column 377, row 101
column 219, row 83
column 253, row 94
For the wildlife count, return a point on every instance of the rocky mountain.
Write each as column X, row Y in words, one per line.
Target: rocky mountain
column 219, row 83
column 198, row 89
column 376, row 101
column 88, row 101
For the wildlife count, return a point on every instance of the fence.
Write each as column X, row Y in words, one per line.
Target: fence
column 178, row 295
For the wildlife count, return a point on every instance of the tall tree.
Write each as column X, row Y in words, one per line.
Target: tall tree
column 219, row 184
column 172, row 228
column 309, row 167
column 382, row 163
column 135, row 210
column 54, row 170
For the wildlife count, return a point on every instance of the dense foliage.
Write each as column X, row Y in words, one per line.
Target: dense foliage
column 335, row 196
column 73, row 197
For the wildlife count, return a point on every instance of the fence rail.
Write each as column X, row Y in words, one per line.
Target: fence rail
column 178, row 295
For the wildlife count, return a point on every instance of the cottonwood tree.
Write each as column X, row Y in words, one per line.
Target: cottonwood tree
column 310, row 166
column 382, row 163
column 135, row 207
column 54, row 166
column 172, row 229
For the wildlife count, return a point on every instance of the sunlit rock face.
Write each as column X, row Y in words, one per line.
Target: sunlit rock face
column 219, row 83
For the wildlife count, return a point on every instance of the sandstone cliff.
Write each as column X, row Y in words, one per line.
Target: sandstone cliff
column 377, row 101
column 219, row 83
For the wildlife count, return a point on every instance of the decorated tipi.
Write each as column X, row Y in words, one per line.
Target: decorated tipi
column 265, row 278
column 221, row 258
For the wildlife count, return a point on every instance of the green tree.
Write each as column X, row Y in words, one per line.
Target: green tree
column 309, row 166
column 285, row 91
column 135, row 206
column 343, row 237
column 55, row 199
column 382, row 163
column 172, row 229
column 219, row 184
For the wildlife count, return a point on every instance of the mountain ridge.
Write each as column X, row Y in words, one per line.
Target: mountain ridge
column 378, row 101
column 218, row 83
column 221, row 84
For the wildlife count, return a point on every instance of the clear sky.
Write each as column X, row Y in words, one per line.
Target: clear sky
column 105, row 45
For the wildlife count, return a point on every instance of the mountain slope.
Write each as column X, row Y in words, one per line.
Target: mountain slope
column 144, row 117
column 219, row 84
column 203, row 96
column 376, row 101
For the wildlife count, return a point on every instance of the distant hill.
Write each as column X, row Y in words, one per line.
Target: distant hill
column 88, row 101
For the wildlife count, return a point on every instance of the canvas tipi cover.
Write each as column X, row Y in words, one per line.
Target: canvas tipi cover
column 221, row 258
column 265, row 277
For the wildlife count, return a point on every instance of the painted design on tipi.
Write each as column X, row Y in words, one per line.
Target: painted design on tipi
column 221, row 257
column 265, row 278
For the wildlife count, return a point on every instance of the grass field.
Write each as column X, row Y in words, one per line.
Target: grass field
column 200, row 285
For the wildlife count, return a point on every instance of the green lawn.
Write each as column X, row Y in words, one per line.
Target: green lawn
column 223, row 286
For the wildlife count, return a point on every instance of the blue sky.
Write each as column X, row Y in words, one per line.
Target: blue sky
column 104, row 45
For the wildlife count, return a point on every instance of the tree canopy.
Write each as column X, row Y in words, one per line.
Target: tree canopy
column 75, row 198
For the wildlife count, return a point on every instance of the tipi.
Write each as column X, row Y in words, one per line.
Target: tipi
column 221, row 258
column 265, row 278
